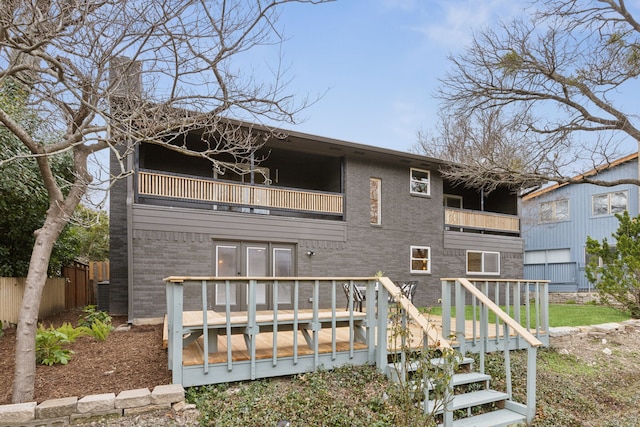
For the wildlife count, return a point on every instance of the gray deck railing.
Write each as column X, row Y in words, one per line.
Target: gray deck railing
column 475, row 335
column 183, row 330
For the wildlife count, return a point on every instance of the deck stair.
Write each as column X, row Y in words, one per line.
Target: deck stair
column 473, row 402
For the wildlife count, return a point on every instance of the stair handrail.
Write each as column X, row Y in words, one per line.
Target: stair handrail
column 500, row 313
column 413, row 313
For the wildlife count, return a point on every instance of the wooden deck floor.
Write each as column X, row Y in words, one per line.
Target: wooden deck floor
column 194, row 353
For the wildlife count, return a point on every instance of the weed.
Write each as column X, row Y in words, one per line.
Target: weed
column 49, row 344
column 90, row 314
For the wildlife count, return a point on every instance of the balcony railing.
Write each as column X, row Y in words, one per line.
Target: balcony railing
column 230, row 193
column 481, row 220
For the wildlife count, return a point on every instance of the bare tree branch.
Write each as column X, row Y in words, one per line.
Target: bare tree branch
column 557, row 80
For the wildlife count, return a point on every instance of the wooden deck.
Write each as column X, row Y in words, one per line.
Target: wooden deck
column 285, row 344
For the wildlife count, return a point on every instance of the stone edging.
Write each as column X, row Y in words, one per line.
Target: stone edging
column 71, row 410
column 564, row 334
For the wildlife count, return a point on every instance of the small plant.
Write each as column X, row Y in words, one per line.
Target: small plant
column 98, row 330
column 90, row 314
column 49, row 342
column 71, row 332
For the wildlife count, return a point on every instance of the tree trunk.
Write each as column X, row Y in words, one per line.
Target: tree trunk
column 25, row 368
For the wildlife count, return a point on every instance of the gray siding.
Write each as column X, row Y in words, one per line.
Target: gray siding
column 175, row 241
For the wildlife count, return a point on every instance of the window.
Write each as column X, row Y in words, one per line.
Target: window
column 420, row 182
column 483, row 262
column 420, row 259
column 609, row 203
column 375, row 185
column 557, row 210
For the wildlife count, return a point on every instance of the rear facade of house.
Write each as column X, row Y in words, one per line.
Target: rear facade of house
column 311, row 207
column 557, row 220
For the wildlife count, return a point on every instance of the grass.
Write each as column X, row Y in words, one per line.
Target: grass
column 560, row 314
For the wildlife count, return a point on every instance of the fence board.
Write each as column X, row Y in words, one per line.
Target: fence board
column 12, row 290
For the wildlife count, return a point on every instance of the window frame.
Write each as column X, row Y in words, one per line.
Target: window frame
column 411, row 259
column 482, row 263
column 414, row 182
column 554, row 211
column 378, row 201
column 609, row 196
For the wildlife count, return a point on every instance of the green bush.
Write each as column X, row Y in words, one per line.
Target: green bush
column 98, row 330
column 71, row 332
column 49, row 344
column 90, row 314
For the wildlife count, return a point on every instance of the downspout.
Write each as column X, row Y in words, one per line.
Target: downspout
column 129, row 204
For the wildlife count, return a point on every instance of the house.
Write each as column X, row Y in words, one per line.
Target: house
column 312, row 207
column 557, row 220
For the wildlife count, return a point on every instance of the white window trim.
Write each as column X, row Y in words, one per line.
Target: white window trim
column 428, row 270
column 609, row 194
column 411, row 181
column 482, row 263
column 554, row 209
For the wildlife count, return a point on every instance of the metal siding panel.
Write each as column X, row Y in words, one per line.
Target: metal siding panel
column 483, row 242
column 226, row 225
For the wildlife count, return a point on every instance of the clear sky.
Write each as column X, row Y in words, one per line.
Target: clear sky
column 376, row 63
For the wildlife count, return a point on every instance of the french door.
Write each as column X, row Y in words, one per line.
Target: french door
column 253, row 259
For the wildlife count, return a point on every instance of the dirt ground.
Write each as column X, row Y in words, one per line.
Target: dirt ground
column 126, row 360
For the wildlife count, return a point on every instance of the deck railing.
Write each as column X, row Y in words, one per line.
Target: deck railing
column 462, row 218
column 358, row 348
column 476, row 300
column 231, row 193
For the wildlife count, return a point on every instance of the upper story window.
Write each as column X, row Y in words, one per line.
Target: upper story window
column 375, row 185
column 420, row 182
column 479, row 262
column 420, row 259
column 609, row 203
column 557, row 210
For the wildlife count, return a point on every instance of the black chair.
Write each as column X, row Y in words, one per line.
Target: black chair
column 358, row 297
column 408, row 288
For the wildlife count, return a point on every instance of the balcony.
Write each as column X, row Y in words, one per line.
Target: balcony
column 217, row 192
column 477, row 221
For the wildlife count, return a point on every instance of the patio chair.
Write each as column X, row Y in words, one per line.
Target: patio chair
column 408, row 288
column 358, row 297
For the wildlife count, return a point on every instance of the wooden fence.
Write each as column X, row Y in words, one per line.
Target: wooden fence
column 12, row 289
column 77, row 288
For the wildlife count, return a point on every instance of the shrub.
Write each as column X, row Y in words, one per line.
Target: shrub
column 71, row 332
column 615, row 269
column 90, row 314
column 98, row 330
column 49, row 344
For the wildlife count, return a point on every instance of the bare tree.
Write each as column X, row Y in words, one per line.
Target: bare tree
column 67, row 55
column 530, row 100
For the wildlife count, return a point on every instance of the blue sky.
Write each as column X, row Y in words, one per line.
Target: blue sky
column 376, row 63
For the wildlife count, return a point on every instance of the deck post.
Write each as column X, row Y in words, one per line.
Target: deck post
column 531, row 383
column 381, row 347
column 174, row 318
column 372, row 290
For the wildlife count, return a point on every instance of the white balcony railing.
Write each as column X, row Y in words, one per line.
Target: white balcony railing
column 230, row 193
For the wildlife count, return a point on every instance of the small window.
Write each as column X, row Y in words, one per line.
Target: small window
column 420, row 259
column 609, row 203
column 555, row 211
column 483, row 262
column 420, row 182
column 375, row 185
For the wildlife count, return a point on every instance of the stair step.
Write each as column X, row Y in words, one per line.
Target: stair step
column 469, row 400
column 394, row 368
column 469, row 378
column 499, row 418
